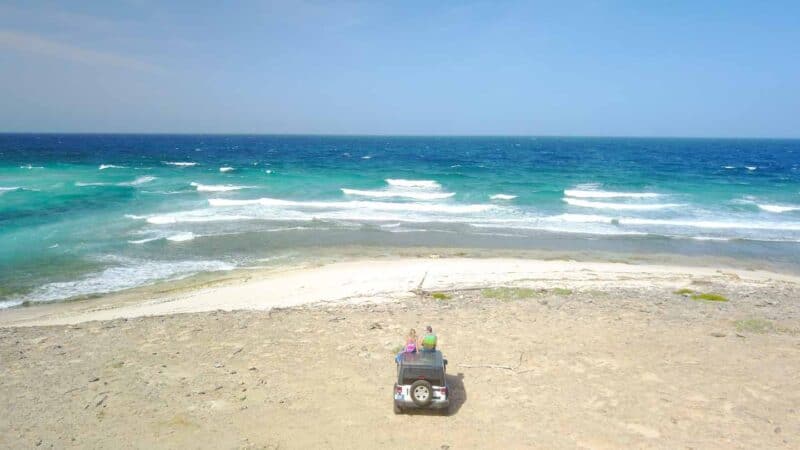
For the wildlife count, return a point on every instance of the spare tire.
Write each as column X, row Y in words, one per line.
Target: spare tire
column 421, row 393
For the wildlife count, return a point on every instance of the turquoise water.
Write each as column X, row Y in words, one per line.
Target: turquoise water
column 86, row 214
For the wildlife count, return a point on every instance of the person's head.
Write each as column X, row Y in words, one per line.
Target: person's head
column 412, row 333
column 429, row 329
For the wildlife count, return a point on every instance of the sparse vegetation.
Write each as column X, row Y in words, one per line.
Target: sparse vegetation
column 440, row 296
column 754, row 325
column 508, row 293
column 561, row 291
column 709, row 296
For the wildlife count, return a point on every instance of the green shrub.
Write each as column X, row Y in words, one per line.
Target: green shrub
column 561, row 291
column 684, row 291
column 440, row 296
column 711, row 297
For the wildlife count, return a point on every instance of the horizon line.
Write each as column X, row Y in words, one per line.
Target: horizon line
column 386, row 135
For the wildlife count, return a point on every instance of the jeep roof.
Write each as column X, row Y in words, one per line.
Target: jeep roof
column 426, row 359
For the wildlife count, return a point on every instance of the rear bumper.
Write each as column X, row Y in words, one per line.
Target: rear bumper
column 435, row 404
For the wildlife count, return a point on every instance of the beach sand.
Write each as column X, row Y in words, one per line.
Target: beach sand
column 564, row 355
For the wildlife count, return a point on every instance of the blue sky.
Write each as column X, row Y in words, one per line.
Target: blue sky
column 639, row 68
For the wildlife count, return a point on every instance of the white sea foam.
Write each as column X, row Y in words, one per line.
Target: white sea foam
column 180, row 163
column 166, row 235
column 591, row 193
column 268, row 171
column 620, row 206
column 129, row 274
column 366, row 157
column 357, row 205
column 750, row 168
column 396, row 193
column 226, row 169
column 201, row 216
column 138, row 181
column 419, row 184
column 729, row 167
column 3, row 190
column 216, row 187
column 503, row 197
column 181, row 237
column 145, row 240
column 109, row 166
column 30, row 167
column 778, row 208
column 711, row 224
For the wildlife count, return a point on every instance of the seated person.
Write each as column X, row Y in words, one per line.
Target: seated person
column 411, row 344
column 428, row 342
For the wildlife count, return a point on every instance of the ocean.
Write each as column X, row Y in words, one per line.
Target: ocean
column 88, row 214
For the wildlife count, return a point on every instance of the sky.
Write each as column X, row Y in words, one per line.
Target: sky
column 593, row 68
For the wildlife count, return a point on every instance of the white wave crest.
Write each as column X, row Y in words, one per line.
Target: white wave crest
column 181, row 237
column 591, row 193
column 419, row 184
column 82, row 184
column 226, row 169
column 356, row 205
column 133, row 273
column 620, row 206
column 751, row 168
column 180, row 163
column 502, row 197
column 417, row 195
column 216, row 187
column 717, row 224
column 30, row 167
column 109, row 166
column 138, row 181
column 145, row 240
column 778, row 208
column 3, row 190
column 191, row 217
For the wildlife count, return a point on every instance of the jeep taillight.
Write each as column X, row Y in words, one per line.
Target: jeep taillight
column 398, row 389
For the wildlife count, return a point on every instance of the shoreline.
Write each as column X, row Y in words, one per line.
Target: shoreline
column 376, row 279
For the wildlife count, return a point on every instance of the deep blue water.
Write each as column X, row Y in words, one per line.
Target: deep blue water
column 83, row 214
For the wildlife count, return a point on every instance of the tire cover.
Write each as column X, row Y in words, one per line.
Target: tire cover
column 428, row 398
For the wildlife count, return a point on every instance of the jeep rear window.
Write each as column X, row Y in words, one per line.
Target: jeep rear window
column 412, row 374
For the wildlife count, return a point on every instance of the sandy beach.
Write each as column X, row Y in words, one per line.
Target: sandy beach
column 543, row 354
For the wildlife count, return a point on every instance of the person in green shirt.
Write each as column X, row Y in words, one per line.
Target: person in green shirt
column 428, row 342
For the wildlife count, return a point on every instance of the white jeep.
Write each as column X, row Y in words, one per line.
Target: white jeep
column 421, row 382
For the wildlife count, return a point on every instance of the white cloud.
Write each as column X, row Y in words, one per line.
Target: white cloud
column 32, row 43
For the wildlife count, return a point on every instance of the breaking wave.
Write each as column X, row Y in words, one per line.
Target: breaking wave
column 216, row 187
column 620, row 206
column 390, row 193
column 592, row 193
column 502, row 197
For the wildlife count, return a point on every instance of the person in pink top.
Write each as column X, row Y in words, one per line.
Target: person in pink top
column 411, row 344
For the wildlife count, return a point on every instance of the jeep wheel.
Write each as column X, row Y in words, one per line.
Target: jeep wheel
column 397, row 409
column 421, row 393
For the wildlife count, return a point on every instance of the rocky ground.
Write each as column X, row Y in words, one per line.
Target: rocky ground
column 569, row 367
